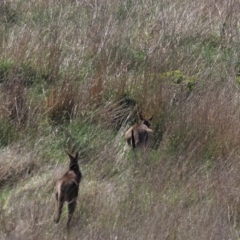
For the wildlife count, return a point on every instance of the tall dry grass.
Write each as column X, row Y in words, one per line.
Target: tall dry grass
column 78, row 72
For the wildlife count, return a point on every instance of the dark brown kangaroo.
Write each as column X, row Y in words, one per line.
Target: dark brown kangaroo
column 67, row 189
column 140, row 133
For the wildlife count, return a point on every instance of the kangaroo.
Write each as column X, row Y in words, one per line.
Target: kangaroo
column 67, row 189
column 139, row 133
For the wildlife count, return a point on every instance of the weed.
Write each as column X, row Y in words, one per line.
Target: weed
column 8, row 13
column 8, row 132
column 60, row 103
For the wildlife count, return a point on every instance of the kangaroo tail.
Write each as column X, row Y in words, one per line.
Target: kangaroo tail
column 59, row 204
column 133, row 140
column 134, row 146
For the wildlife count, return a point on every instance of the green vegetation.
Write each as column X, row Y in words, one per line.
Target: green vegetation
column 76, row 74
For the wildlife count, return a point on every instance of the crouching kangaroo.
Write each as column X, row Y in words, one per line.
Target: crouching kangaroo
column 67, row 189
column 140, row 132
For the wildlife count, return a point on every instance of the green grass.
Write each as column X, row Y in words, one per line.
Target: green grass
column 77, row 74
column 8, row 131
column 5, row 192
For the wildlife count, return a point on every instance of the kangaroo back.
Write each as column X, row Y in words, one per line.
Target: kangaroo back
column 140, row 133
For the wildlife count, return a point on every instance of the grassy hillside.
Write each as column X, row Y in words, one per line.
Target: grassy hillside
column 77, row 73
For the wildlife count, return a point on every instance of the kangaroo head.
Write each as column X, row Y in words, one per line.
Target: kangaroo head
column 145, row 121
column 73, row 158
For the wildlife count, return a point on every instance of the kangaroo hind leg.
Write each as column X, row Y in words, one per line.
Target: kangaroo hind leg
column 71, row 209
column 60, row 202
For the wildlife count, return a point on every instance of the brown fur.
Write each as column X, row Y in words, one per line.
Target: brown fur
column 139, row 133
column 67, row 189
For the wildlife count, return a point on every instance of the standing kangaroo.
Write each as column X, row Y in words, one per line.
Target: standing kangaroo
column 67, row 189
column 139, row 133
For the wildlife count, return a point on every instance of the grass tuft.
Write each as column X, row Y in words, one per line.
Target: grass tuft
column 77, row 74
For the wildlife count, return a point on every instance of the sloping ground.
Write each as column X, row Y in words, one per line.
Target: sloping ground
column 77, row 73
column 162, row 197
column 15, row 166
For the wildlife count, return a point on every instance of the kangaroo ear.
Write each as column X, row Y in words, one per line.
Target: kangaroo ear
column 140, row 116
column 150, row 119
column 70, row 155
